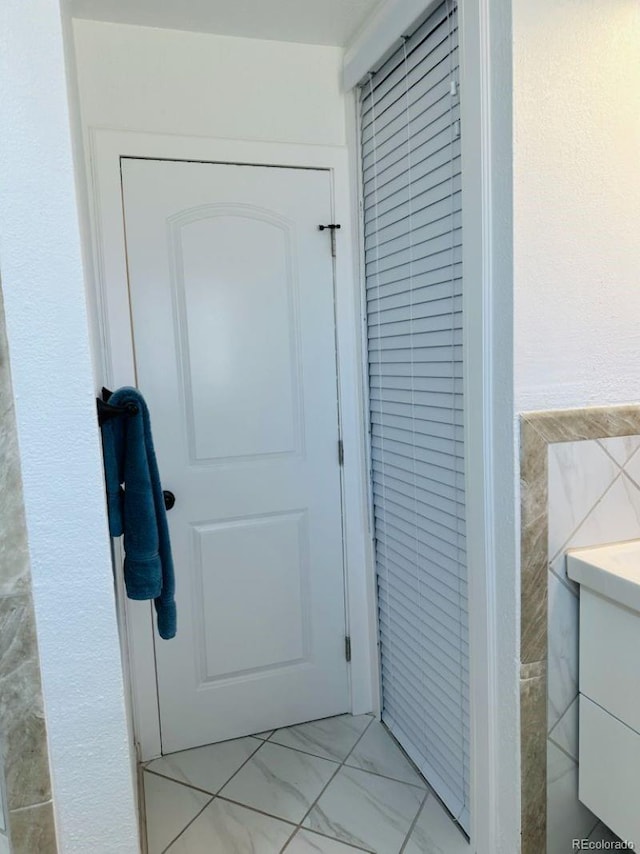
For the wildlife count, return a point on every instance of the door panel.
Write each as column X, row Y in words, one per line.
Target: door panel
column 240, row 354
column 231, row 291
column 278, row 545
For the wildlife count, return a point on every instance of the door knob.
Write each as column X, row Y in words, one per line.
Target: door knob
column 169, row 499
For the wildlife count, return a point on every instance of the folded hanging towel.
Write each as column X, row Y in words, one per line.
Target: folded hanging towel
column 138, row 510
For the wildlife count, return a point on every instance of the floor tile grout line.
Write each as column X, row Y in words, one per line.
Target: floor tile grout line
column 188, row 825
column 221, row 797
column 412, row 764
column 198, row 788
column 387, row 777
column 295, row 826
column 322, row 835
column 592, row 831
column 255, row 809
column 211, row 797
column 237, row 771
column 431, row 792
column 295, row 726
column 414, row 822
column 260, row 737
column 305, row 752
column 182, row 783
column 357, row 767
column 328, row 783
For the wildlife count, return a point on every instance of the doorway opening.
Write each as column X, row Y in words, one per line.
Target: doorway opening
column 226, row 303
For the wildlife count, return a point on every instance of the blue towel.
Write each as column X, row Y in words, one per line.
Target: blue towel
column 138, row 510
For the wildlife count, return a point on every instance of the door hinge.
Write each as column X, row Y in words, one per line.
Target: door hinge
column 340, row 452
column 347, row 647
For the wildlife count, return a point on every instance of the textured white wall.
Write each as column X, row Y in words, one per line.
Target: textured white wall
column 193, row 84
column 576, row 202
column 46, row 316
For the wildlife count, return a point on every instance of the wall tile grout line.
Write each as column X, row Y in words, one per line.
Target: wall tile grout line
column 31, row 806
column 560, row 748
column 622, row 474
column 563, row 581
column 629, row 477
column 636, row 453
column 611, row 457
column 599, row 501
column 560, row 719
column 623, row 465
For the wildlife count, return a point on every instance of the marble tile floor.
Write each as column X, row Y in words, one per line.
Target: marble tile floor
column 335, row 786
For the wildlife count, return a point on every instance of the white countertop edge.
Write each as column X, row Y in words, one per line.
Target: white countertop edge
column 612, row 570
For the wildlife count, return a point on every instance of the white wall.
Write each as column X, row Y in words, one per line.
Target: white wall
column 193, row 84
column 80, row 172
column 576, row 202
column 43, row 286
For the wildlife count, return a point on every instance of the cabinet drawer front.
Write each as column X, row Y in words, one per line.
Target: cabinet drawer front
column 609, row 659
column 609, row 772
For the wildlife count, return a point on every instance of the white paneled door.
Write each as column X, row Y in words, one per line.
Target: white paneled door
column 232, row 305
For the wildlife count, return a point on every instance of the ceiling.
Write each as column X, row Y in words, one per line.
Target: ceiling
column 328, row 22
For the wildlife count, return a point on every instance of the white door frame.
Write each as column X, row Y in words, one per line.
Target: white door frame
column 490, row 432
column 106, row 147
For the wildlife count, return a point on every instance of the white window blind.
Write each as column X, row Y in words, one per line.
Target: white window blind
column 410, row 125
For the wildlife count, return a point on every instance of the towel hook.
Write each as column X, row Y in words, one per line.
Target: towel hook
column 106, row 411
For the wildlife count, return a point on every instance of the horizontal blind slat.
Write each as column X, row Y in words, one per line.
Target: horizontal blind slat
column 429, row 56
column 428, row 709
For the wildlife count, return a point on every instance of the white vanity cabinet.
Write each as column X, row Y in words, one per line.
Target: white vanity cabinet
column 609, row 681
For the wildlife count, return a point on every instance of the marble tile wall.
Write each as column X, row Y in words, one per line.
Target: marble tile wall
column 28, row 789
column 4, row 819
column 580, row 479
column 594, row 498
